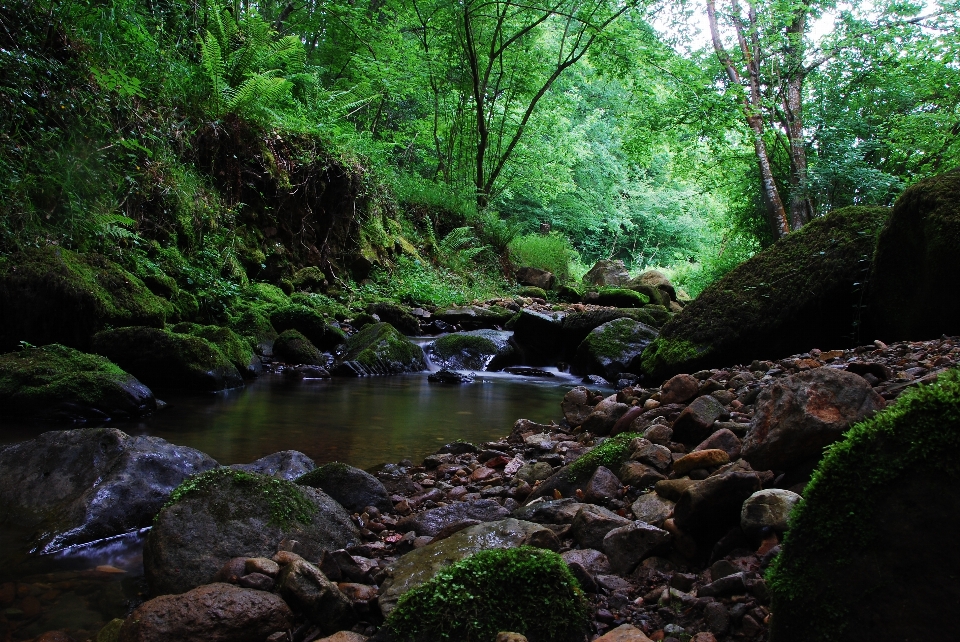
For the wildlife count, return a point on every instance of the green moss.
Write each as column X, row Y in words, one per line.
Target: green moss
column 291, row 346
column 322, row 304
column 380, row 348
column 321, row 474
column 610, row 454
column 287, row 502
column 309, row 278
column 610, row 339
column 233, row 347
column 526, row 590
column 452, row 345
column 532, row 291
column 665, row 354
column 265, row 293
column 621, row 298
column 921, row 432
column 310, row 323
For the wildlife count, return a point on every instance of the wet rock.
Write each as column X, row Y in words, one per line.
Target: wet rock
column 723, row 439
column 660, row 434
column 286, row 464
column 652, row 509
column 577, row 406
column 555, row 511
column 293, row 347
column 700, row 459
column 536, row 277
column 308, row 590
column 233, row 346
column 434, row 520
column 308, row 324
column 214, row 612
column 798, row 416
column 626, row 546
column 695, row 423
column 230, row 513
column 603, row 486
column 450, row 377
column 76, row 486
column 653, row 455
column 377, row 349
column 396, row 315
column 534, row 472
column 419, row 566
column 351, row 487
column 592, row 523
column 633, row 473
column 473, row 350
column 612, row 348
column 680, row 388
column 733, row 584
column 768, row 508
column 474, row 317
column 710, row 508
column 527, row 371
column 672, row 489
column 595, row 562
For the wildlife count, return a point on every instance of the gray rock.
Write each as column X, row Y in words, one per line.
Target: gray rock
column 723, row 439
column 306, row 588
column 708, row 509
column 603, row 486
column 286, row 464
column 352, row 488
column 716, row 617
column 660, row 434
column 76, row 486
column 626, row 546
column 592, row 523
column 473, row 350
column 654, row 455
column 607, row 272
column 633, row 473
column 768, row 508
column 591, row 559
column 554, row 511
column 576, row 406
column 695, row 422
column 536, row 277
column 420, row 565
column 652, row 509
column 533, row 472
column 612, row 348
column 377, row 349
column 431, row 522
column 798, row 416
column 728, row 585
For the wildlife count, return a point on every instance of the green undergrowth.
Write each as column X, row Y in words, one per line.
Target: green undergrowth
column 920, row 432
column 287, row 502
column 526, row 590
column 610, row 454
column 551, row 252
column 419, row 283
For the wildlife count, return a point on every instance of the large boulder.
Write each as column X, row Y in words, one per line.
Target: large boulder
column 56, row 383
column 536, row 277
column 607, row 272
column 913, row 291
column 396, row 315
column 292, row 347
column 168, row 360
column 613, row 348
column 309, row 323
column 379, row 348
column 233, row 347
column 798, row 416
column 474, row 317
column 538, row 335
column 77, row 486
column 216, row 612
column 421, row 565
column 226, row 513
column 796, row 295
column 286, row 464
column 352, row 488
column 473, row 350
column 871, row 552
column 54, row 295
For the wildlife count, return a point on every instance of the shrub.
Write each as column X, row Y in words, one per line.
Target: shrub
column 551, row 252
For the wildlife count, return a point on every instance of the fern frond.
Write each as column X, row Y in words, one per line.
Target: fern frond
column 212, row 57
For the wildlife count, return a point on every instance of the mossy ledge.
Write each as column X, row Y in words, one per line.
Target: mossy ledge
column 526, row 590
column 287, row 502
column 609, row 454
column 830, row 528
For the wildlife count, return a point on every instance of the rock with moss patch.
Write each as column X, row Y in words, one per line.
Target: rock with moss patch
column 606, row 272
column 286, row 464
column 226, row 513
column 292, row 347
column 473, row 350
column 54, row 295
column 396, row 315
column 875, row 535
column 255, row 327
column 474, row 317
column 527, row 590
column 353, row 488
column 311, row 279
column 166, row 359
column 229, row 343
column 535, row 277
column 380, row 349
column 310, row 323
column 532, row 291
column 913, row 289
column 621, row 298
column 77, row 486
column 612, row 453
column 613, row 348
column 796, row 294
column 56, row 383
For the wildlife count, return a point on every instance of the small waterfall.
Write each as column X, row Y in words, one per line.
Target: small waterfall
column 424, row 343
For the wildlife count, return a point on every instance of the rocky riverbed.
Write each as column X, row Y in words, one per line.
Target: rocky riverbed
column 666, row 503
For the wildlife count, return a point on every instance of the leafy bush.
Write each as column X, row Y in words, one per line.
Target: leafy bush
column 416, row 282
column 551, row 252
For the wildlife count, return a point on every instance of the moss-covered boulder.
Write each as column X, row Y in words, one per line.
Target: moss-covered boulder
column 54, row 295
column 800, row 293
column 611, row 454
column 622, row 298
column 914, row 292
column 474, row 350
column 871, row 552
column 233, row 347
column 532, row 291
column 255, row 327
column 539, row 337
column 292, row 347
column 474, row 317
column 525, row 590
column 613, row 348
column 226, row 513
column 351, row 487
column 379, row 348
column 56, row 383
column 310, row 323
column 310, row 279
column 396, row 315
column 166, row 359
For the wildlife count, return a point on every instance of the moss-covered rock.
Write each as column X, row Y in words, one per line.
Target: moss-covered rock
column 292, row 347
column 310, row 323
column 311, row 279
column 229, row 343
column 255, row 327
column 612, row 454
column 265, row 294
column 621, row 298
column 474, row 317
column 54, row 295
column 396, row 315
column 796, row 295
column 168, row 360
column 532, row 291
column 379, row 348
column 526, row 590
column 613, row 348
column 321, row 303
column 874, row 537
column 59, row 383
column 914, row 292
column 474, row 350
column 570, row 294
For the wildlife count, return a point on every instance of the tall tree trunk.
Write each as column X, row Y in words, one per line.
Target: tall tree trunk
column 795, row 75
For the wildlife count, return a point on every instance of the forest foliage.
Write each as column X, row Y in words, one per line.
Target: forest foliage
column 616, row 124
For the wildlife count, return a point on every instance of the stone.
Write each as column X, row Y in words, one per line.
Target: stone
column 261, row 565
column 294, row 348
column 603, row 486
column 234, row 347
column 723, row 439
column 213, row 612
column 769, row 508
column 473, row 317
column 700, row 459
column 708, row 509
column 703, row 636
column 431, row 522
column 612, row 348
column 257, row 581
column 286, row 464
column 672, row 489
column 305, row 322
column 539, row 336
column 72, row 487
column 660, row 434
column 626, row 546
column 653, row 455
column 308, row 590
column 592, row 523
column 351, row 487
column 554, row 511
column 733, row 584
column 420, row 565
column 344, row 636
column 633, row 473
column 576, row 406
column 652, row 509
column 624, row 633
column 533, row 472
column 473, row 350
column 680, row 388
column 607, row 272
column 227, row 513
column 592, row 560
column 716, row 617
column 656, row 279
column 398, row 316
column 695, row 423
column 798, row 416
column 602, row 420
column 508, row 636
column 379, row 349
column 536, row 277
